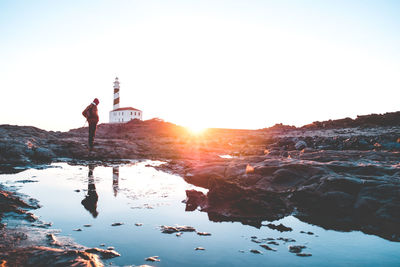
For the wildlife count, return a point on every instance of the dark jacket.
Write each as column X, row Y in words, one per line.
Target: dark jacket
column 90, row 113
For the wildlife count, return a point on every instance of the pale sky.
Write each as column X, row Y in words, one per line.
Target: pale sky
column 232, row 64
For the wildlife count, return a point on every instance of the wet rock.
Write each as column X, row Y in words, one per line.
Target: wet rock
column 286, row 240
column 303, row 254
column 102, row 245
column 152, row 258
column 26, row 181
column 204, row 233
column 139, row 224
column 103, row 253
column 300, row 145
column 199, row 248
column 195, row 199
column 273, row 243
column 46, row 256
column 255, row 251
column 258, row 241
column 296, row 248
column 77, row 190
column 308, row 233
column 267, row 247
column 281, row 228
column 117, row 224
column 179, row 234
column 53, row 240
column 30, row 217
column 87, row 225
column 78, row 230
column 173, row 229
column 110, row 248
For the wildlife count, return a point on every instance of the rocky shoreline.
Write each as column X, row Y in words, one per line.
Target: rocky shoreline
column 336, row 174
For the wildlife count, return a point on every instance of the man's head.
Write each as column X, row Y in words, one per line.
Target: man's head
column 96, row 101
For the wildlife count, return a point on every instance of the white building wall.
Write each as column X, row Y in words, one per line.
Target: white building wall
column 122, row 116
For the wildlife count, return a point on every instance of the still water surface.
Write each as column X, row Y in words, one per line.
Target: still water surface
column 73, row 196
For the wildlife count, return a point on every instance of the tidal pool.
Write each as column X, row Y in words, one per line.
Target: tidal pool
column 137, row 193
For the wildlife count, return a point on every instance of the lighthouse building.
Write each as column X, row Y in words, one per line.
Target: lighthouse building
column 122, row 115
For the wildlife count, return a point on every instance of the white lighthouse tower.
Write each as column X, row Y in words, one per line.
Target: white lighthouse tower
column 122, row 115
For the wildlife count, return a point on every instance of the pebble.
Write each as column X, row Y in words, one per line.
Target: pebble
column 199, row 248
column 203, row 233
column 110, row 248
column 178, row 234
column 87, row 225
column 117, row 224
column 138, row 224
column 153, row 258
column 255, row 251
column 78, row 230
column 102, row 245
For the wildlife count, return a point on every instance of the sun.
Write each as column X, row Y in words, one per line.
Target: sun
column 196, row 129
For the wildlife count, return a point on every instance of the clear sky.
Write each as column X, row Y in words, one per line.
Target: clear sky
column 234, row 64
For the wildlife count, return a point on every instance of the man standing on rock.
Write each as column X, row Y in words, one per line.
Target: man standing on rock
column 91, row 115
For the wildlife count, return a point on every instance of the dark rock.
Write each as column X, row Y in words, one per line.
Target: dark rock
column 255, row 251
column 303, row 254
column 267, row 247
column 296, row 248
column 195, row 199
column 281, row 228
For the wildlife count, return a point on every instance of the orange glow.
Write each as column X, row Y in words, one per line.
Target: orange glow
column 196, row 129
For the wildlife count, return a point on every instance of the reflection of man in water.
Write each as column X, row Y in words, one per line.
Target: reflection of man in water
column 90, row 201
column 115, row 180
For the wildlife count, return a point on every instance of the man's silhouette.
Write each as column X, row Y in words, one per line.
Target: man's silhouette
column 90, row 201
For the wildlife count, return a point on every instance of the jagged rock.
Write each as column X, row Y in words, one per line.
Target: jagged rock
column 103, row 253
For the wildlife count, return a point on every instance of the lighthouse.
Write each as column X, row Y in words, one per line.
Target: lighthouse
column 116, row 94
column 122, row 115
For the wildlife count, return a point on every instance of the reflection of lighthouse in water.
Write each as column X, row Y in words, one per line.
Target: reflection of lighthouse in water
column 115, row 180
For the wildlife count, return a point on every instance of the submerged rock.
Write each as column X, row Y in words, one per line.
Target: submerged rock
column 303, row 254
column 267, row 247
